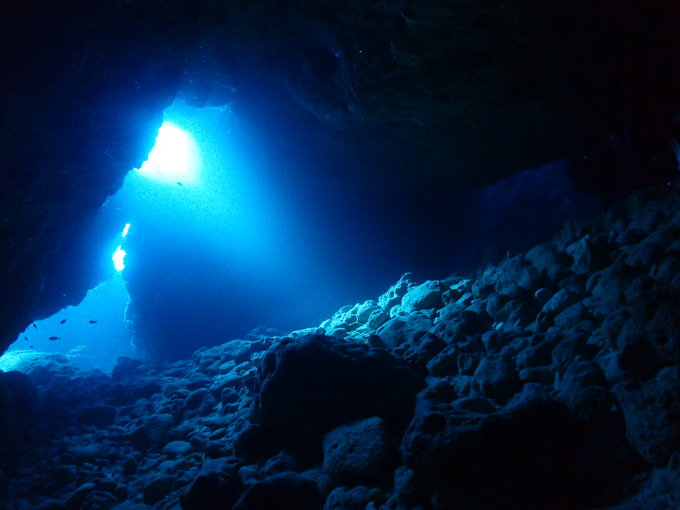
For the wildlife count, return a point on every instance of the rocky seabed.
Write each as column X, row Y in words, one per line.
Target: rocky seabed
column 548, row 381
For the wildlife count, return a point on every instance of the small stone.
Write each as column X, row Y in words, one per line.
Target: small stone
column 543, row 295
column 177, row 449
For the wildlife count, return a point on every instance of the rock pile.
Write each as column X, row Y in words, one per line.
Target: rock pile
column 549, row 381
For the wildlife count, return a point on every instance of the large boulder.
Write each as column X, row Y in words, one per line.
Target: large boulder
column 651, row 409
column 525, row 455
column 307, row 387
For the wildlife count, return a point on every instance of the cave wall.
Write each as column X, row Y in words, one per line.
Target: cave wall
column 83, row 92
column 464, row 91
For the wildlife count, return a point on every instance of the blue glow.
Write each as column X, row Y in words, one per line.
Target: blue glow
column 125, row 230
column 175, row 157
column 249, row 222
column 118, row 259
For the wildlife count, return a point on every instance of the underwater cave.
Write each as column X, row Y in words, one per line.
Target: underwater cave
column 348, row 255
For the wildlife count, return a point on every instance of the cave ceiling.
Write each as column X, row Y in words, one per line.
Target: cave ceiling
column 466, row 92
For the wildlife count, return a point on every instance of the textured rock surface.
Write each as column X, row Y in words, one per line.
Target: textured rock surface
column 347, row 381
column 355, row 453
column 651, row 409
column 574, row 407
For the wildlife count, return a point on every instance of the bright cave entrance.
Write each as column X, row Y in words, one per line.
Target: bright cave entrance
column 93, row 333
column 228, row 226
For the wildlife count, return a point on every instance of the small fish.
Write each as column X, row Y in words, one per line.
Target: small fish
column 55, row 338
column 94, row 321
column 64, row 320
column 26, row 338
column 180, row 184
column 36, row 327
column 31, row 347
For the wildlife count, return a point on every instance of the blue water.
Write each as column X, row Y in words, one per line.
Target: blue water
column 87, row 345
column 247, row 229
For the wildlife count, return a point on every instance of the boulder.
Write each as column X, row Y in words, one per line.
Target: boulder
column 496, row 302
column 216, row 487
column 520, row 318
column 648, row 217
column 365, row 311
column 284, row 491
column 422, row 350
column 643, row 256
column 497, row 378
column 126, row 366
column 546, row 259
column 177, row 449
column 409, row 487
column 356, row 453
column 571, row 232
column 497, row 458
column 279, row 463
column 460, row 326
column 99, row 500
column 402, row 330
column 445, row 363
column 157, row 486
column 482, row 289
column 150, row 430
column 517, row 270
column 651, row 411
column 608, row 287
column 561, row 300
column 198, row 403
column 655, row 314
column 572, row 315
column 307, row 387
column 590, row 254
column 356, row 498
column 539, row 352
column 393, row 296
column 425, row 296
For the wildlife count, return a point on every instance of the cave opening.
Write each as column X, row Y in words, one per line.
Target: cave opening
column 212, row 236
column 174, row 159
column 228, row 226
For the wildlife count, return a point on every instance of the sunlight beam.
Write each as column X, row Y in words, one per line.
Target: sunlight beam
column 174, row 159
